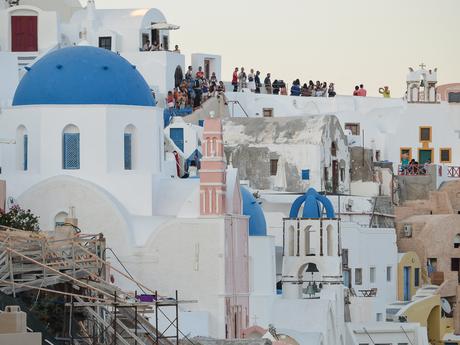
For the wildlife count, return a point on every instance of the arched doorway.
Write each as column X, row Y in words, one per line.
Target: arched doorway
column 178, row 76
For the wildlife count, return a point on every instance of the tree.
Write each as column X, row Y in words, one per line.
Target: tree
column 20, row 219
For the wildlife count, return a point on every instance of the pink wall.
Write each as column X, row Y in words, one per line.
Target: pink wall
column 443, row 90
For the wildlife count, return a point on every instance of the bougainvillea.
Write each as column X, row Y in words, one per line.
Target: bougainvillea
column 18, row 218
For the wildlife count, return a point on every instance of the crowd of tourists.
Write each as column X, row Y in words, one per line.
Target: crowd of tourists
column 253, row 81
column 413, row 167
column 194, row 89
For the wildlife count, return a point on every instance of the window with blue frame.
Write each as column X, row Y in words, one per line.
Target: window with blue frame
column 128, row 151
column 71, row 148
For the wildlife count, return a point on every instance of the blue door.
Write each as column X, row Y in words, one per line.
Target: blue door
column 406, row 283
column 177, row 135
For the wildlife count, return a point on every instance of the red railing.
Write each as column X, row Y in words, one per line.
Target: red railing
column 414, row 170
column 453, row 172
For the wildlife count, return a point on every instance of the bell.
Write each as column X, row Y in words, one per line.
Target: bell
column 310, row 290
column 311, row 268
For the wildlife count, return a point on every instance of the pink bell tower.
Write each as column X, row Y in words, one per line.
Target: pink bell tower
column 213, row 186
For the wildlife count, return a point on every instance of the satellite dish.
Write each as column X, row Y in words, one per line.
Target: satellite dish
column 445, row 305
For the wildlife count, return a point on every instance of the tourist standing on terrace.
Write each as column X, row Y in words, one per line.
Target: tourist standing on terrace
column 257, row 80
column 251, row 81
column 147, row 47
column 295, row 88
column 189, row 74
column 385, row 91
column 268, row 84
column 242, row 79
column 200, row 73
column 331, row 91
column 356, row 92
column 362, row 91
column 235, row 80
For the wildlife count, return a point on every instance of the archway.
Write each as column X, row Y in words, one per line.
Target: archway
column 178, row 76
column 433, row 325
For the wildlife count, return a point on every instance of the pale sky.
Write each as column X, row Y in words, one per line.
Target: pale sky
column 343, row 41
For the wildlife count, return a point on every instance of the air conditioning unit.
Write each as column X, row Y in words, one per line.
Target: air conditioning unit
column 407, row 230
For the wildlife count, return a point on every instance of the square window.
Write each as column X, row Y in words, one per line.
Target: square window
column 305, row 174
column 353, row 127
column 425, row 133
column 454, row 97
column 105, row 42
column 267, row 112
column 273, row 167
column 405, row 154
column 445, row 155
column 358, row 276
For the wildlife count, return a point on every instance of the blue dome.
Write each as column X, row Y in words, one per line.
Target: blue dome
column 312, row 201
column 252, row 209
column 83, row 75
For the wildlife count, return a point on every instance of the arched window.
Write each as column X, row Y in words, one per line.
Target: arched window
column 129, row 147
column 457, row 241
column 71, row 148
column 22, row 142
column 59, row 219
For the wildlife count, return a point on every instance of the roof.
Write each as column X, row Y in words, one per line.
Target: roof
column 312, row 205
column 83, row 75
column 252, row 209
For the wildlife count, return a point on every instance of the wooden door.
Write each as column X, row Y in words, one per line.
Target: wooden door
column 24, row 33
column 335, row 176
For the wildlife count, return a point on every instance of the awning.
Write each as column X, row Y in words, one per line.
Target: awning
column 163, row 26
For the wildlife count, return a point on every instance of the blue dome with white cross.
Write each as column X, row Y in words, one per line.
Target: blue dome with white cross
column 252, row 209
column 83, row 75
column 313, row 206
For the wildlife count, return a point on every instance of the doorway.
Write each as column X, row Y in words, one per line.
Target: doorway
column 425, row 155
column 406, row 283
column 24, row 33
column 207, row 68
column 155, row 36
column 177, row 135
column 335, row 176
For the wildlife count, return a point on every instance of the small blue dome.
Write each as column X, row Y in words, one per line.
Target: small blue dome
column 312, row 201
column 83, row 75
column 252, row 209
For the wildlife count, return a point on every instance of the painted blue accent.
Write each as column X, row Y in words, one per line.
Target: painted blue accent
column 406, row 283
column 71, row 151
column 128, row 151
column 26, row 152
column 169, row 113
column 305, row 174
column 346, row 278
column 313, row 202
column 201, row 123
column 252, row 209
column 177, row 135
column 83, row 75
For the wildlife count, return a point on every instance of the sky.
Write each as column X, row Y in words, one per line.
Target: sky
column 347, row 42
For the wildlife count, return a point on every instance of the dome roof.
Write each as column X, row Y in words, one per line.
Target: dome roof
column 83, row 75
column 252, row 209
column 312, row 202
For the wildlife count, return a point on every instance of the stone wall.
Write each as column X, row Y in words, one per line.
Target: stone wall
column 361, row 164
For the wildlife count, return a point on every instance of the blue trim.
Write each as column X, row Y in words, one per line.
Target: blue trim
column 71, row 151
column 177, row 136
column 127, row 146
column 312, row 201
column 252, row 209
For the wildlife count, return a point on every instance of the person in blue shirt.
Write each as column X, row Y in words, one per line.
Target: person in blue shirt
column 295, row 88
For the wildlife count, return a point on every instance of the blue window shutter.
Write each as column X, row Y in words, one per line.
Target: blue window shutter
column 201, row 123
column 177, row 136
column 26, row 152
column 305, row 174
column 128, row 151
column 71, row 151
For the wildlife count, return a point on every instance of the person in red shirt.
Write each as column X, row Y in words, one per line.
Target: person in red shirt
column 362, row 91
column 200, row 73
column 356, row 92
column 235, row 80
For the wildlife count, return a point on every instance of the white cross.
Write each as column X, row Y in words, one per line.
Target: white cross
column 422, row 65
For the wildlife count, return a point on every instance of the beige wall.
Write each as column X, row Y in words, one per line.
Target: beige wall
column 2, row 194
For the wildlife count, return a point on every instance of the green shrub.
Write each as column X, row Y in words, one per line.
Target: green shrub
column 20, row 219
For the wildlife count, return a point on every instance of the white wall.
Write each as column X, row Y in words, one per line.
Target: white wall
column 372, row 247
column 9, row 75
column 388, row 124
column 215, row 63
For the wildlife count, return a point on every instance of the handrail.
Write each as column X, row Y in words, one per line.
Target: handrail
column 233, row 107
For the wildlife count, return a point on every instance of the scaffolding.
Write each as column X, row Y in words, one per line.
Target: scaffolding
column 111, row 316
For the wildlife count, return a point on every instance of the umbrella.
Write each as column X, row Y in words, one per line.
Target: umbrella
column 163, row 26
